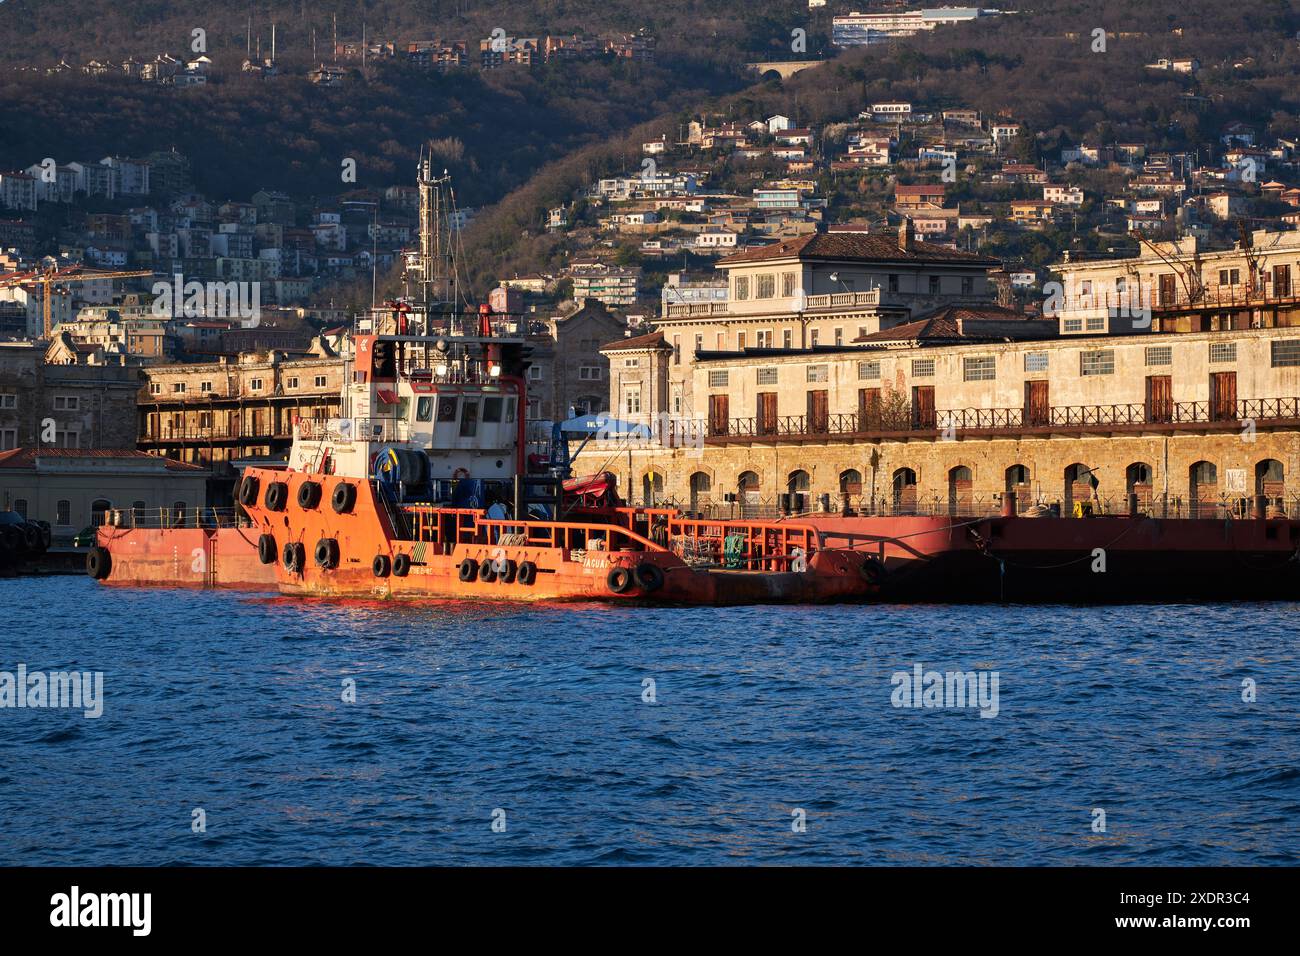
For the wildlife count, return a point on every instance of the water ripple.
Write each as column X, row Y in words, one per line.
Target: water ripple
column 446, row 733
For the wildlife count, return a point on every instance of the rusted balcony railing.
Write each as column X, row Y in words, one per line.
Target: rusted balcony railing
column 895, row 420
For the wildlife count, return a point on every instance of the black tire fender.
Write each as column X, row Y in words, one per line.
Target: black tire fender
column 402, row 565
column 527, row 573
column 309, row 494
column 266, row 549
column 648, row 576
column 468, row 570
column 344, row 497
column 326, row 553
column 99, row 563
column 619, row 580
column 381, row 566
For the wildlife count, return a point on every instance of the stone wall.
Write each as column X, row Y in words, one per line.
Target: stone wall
column 1236, row 458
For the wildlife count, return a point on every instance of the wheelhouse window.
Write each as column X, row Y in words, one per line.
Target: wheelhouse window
column 424, row 408
column 469, row 418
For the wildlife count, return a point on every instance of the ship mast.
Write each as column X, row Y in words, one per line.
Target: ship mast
column 435, row 249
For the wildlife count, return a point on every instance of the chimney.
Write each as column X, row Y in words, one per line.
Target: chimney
column 906, row 235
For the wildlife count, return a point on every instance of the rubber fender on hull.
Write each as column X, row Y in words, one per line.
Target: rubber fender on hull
column 509, row 574
column 402, row 565
column 527, row 573
column 277, row 496
column 248, row 491
column 649, row 577
column 266, row 549
column 309, row 494
column 873, row 569
column 381, row 566
column 99, row 563
column 619, row 580
column 468, row 570
column 294, row 556
column 327, row 553
column 486, row 572
column 344, row 497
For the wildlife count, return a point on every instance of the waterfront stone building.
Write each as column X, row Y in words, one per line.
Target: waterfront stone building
column 213, row 413
column 1194, row 413
column 85, row 406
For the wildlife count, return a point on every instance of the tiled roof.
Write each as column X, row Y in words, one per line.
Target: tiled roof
column 26, row 457
column 835, row 246
column 957, row 324
column 653, row 340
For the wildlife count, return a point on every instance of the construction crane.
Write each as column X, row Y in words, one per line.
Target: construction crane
column 48, row 278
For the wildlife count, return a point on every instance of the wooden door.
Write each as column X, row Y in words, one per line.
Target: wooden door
column 868, row 409
column 818, row 408
column 1281, row 281
column 766, row 413
column 923, row 406
column 1037, row 409
column 1160, row 399
column 719, row 414
column 1167, row 288
column 1223, row 396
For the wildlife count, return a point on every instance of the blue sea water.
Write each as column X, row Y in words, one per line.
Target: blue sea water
column 233, row 703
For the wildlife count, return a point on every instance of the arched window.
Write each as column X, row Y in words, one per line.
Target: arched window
column 748, row 488
column 960, row 481
column 1203, row 489
column 701, row 485
column 178, row 513
column 1137, row 481
column 98, row 507
column 652, row 488
column 63, row 513
column 20, row 506
column 851, row 482
column 1080, row 485
column 798, row 482
column 904, row 483
column 1270, row 478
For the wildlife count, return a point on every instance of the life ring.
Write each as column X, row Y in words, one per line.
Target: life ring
column 277, row 495
column 468, row 570
column 649, row 577
column 304, row 428
column 327, row 553
column 381, row 566
column 486, row 573
column 402, row 564
column 309, row 494
column 460, row 473
column 99, row 563
column 266, row 549
column 344, row 497
column 619, row 580
column 527, row 573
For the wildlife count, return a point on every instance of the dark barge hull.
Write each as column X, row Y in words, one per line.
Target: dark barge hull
column 1084, row 560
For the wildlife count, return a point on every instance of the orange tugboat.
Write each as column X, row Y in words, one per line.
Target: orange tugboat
column 424, row 491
